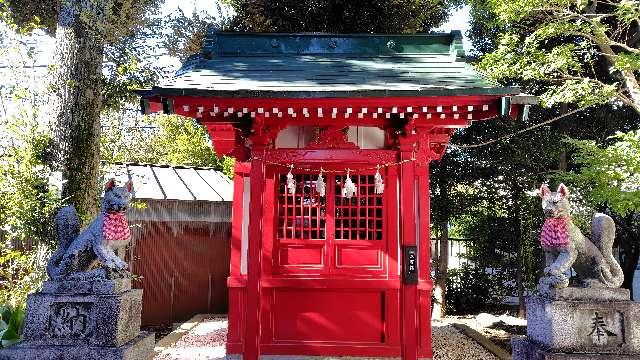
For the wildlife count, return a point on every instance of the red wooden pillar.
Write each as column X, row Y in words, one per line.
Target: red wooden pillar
column 254, row 268
column 424, row 258
column 408, row 294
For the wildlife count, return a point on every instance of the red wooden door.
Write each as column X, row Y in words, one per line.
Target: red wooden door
column 328, row 287
column 331, row 234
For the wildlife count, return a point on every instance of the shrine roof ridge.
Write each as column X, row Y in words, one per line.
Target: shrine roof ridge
column 294, row 44
column 320, row 65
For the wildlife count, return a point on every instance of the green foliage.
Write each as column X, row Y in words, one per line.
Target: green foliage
column 11, row 325
column 583, row 92
column 22, row 272
column 567, row 51
column 342, row 16
column 187, row 33
column 26, row 199
column 610, row 174
column 627, row 62
column 470, row 289
column 160, row 139
column 24, row 16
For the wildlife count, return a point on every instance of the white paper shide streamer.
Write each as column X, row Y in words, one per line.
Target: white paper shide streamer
column 348, row 188
column 378, row 184
column 291, row 182
column 321, row 187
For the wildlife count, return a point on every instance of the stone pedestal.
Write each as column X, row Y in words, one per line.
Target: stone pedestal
column 84, row 320
column 578, row 324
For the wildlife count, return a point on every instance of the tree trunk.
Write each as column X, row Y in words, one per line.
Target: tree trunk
column 628, row 77
column 76, row 102
column 440, row 289
column 628, row 238
column 517, row 233
column 629, row 268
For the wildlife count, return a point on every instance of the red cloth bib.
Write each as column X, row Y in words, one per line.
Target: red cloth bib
column 116, row 227
column 555, row 233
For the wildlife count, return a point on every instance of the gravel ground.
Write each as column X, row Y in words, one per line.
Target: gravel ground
column 207, row 341
column 499, row 329
column 450, row 344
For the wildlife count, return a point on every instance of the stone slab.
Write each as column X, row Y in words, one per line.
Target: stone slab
column 83, row 320
column 606, row 327
column 589, row 294
column 523, row 349
column 86, row 287
column 136, row 349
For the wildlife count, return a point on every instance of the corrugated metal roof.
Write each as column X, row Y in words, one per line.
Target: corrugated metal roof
column 162, row 182
column 323, row 65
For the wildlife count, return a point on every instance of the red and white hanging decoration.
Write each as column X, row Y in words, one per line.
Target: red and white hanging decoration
column 348, row 188
column 291, row 182
column 378, row 184
column 321, row 187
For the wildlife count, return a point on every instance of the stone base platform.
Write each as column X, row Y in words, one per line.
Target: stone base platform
column 83, row 320
column 523, row 349
column 584, row 326
column 137, row 349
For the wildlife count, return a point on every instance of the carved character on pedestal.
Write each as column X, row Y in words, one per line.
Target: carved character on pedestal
column 78, row 252
column 566, row 247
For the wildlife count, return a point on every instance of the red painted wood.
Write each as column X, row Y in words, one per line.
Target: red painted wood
column 408, row 293
column 252, row 324
column 236, row 220
column 424, row 259
column 356, row 158
column 194, row 104
column 316, row 318
column 330, row 282
column 331, row 349
column 268, row 231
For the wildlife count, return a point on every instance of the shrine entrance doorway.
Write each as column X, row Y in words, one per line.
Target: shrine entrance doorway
column 341, row 245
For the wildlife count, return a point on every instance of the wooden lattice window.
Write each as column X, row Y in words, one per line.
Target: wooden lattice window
column 301, row 215
column 360, row 217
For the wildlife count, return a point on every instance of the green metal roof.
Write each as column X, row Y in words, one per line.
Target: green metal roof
column 328, row 65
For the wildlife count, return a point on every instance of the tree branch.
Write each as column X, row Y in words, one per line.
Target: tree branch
column 625, row 46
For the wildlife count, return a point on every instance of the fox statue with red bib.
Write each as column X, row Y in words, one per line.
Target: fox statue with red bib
column 78, row 252
column 565, row 246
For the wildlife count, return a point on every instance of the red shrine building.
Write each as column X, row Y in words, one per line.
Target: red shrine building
column 333, row 136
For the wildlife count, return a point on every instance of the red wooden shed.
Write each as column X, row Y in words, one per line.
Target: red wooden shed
column 333, row 135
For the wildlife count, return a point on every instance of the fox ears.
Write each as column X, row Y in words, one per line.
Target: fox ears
column 544, row 190
column 112, row 183
column 562, row 190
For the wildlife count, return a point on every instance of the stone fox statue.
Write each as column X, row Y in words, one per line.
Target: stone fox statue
column 566, row 247
column 78, row 252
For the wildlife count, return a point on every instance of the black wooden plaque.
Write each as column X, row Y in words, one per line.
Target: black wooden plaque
column 410, row 267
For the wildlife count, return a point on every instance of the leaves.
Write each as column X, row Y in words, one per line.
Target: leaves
column 627, row 61
column 628, row 11
column 11, row 324
column 160, row 139
column 611, row 174
column 583, row 92
column 342, row 16
column 563, row 49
